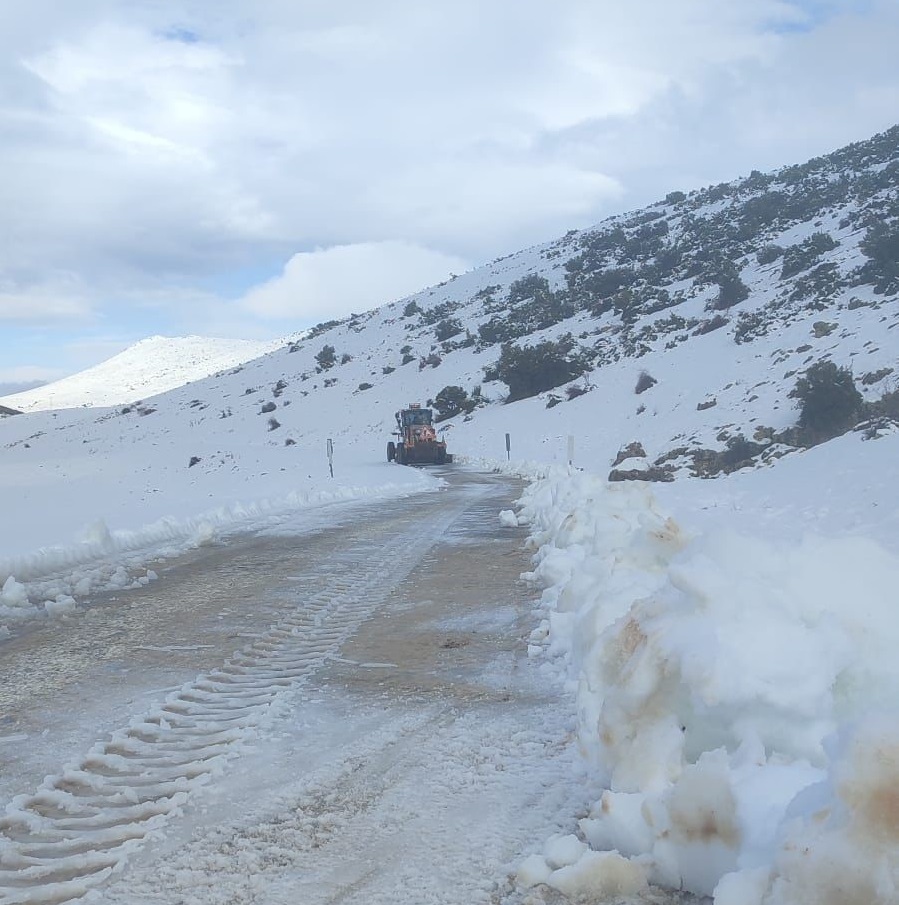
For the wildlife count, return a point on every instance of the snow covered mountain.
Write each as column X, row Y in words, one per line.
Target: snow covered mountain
column 147, row 368
column 671, row 338
column 718, row 651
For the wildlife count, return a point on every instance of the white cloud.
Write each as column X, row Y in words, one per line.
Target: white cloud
column 465, row 203
column 159, row 147
column 332, row 282
column 43, row 304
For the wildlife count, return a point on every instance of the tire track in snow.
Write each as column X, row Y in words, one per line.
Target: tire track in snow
column 69, row 836
column 439, row 775
column 428, row 805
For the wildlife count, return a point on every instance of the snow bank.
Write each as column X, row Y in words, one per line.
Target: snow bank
column 51, row 579
column 529, row 470
column 736, row 697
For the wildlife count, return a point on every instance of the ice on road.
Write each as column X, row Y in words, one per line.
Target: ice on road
column 378, row 735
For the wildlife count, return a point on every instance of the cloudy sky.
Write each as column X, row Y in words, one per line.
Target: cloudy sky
column 250, row 167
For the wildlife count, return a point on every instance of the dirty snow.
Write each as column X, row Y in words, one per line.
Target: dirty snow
column 736, row 691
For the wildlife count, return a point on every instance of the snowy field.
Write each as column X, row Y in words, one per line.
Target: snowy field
column 92, row 497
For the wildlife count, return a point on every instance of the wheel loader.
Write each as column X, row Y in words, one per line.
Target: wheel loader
column 416, row 442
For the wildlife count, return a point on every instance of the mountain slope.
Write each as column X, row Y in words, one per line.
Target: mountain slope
column 147, row 368
column 724, row 296
column 657, row 291
column 714, row 650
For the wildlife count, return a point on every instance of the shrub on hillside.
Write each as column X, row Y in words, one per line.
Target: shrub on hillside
column 447, row 328
column 806, row 254
column 534, row 369
column 528, row 287
column 829, row 402
column 887, row 406
column 438, row 312
column 327, row 358
column 451, row 401
column 731, row 291
column 881, row 246
column 713, row 323
column 644, row 382
column 429, row 361
column 769, row 254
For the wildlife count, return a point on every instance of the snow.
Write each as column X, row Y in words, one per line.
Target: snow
column 736, row 694
column 95, row 496
column 714, row 646
column 729, row 644
column 147, row 368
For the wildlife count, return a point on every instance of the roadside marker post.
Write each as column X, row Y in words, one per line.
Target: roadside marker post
column 571, row 449
column 508, row 448
column 331, row 456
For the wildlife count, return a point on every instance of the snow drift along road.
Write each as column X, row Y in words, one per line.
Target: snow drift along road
column 736, row 697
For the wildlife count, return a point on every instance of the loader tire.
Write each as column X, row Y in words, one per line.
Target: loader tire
column 391, row 451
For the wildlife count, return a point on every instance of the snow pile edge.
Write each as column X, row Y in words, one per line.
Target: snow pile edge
column 52, row 579
column 736, row 699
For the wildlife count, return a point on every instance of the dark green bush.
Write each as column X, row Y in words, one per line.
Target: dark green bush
column 327, row 358
column 731, row 290
column 533, row 369
column 452, row 401
column 429, row 361
column 829, row 402
column 644, row 381
column 881, row 246
column 769, row 254
column 447, row 328
column 529, row 287
column 802, row 256
column 887, row 406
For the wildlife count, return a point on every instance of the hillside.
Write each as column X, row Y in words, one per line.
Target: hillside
column 152, row 366
column 724, row 613
column 723, row 296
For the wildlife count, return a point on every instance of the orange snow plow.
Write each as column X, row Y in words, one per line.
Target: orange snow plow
column 416, row 442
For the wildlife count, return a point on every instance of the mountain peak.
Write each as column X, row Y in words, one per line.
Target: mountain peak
column 151, row 366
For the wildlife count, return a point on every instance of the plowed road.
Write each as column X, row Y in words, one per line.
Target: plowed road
column 342, row 714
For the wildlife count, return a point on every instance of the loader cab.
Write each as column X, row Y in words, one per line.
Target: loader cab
column 415, row 415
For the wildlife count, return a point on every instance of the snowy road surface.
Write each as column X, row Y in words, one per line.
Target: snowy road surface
column 342, row 714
